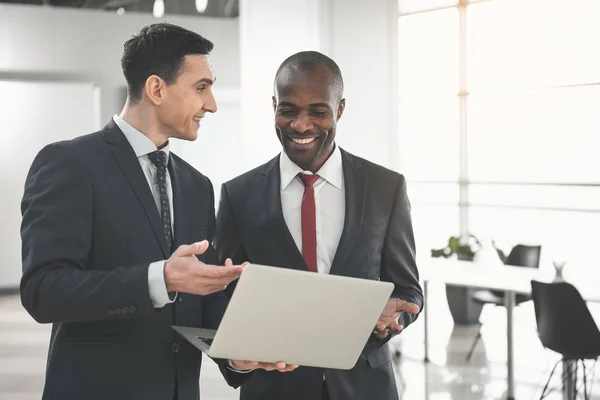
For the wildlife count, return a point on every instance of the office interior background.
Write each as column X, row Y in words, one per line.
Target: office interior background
column 490, row 108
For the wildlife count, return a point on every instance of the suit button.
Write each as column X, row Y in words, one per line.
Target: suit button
column 132, row 309
column 125, row 310
column 175, row 347
column 110, row 312
column 117, row 310
column 179, row 298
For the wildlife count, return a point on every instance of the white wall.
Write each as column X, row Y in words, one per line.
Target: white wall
column 52, row 43
column 31, row 117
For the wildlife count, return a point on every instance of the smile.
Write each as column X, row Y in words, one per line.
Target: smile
column 303, row 141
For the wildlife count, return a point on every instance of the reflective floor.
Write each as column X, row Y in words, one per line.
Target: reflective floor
column 23, row 349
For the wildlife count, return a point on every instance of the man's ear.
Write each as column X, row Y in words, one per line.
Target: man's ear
column 341, row 108
column 274, row 103
column 154, row 89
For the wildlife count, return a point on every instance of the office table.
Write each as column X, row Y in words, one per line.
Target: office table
column 512, row 280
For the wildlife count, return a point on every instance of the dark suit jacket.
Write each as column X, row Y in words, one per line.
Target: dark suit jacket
column 377, row 243
column 90, row 230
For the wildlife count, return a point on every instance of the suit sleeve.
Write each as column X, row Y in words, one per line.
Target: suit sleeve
column 214, row 306
column 398, row 255
column 56, row 234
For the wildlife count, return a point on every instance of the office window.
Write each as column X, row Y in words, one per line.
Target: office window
column 538, row 135
column 429, row 144
column 433, row 205
column 518, row 44
column 500, row 100
column 428, row 53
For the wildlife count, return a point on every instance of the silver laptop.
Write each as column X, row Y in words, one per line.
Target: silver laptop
column 298, row 317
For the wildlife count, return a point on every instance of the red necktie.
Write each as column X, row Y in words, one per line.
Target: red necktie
column 309, row 222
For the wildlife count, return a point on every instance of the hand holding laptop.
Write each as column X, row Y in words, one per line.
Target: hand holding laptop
column 388, row 321
column 250, row 365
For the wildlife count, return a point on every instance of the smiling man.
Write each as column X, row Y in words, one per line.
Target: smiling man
column 318, row 208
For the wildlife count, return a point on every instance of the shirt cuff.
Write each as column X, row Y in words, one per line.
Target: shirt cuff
column 157, row 285
column 231, row 367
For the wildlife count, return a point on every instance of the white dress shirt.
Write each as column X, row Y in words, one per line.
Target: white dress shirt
column 142, row 146
column 330, row 204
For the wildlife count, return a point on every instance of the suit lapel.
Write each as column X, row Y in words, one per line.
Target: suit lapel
column 270, row 188
column 355, row 186
column 125, row 156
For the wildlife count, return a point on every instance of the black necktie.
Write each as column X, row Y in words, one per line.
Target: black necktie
column 159, row 158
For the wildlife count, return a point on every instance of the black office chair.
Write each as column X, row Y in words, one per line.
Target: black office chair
column 565, row 326
column 520, row 256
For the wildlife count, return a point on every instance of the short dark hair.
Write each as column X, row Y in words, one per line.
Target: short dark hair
column 158, row 49
column 308, row 60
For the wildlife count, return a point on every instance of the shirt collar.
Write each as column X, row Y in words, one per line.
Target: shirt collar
column 140, row 143
column 332, row 171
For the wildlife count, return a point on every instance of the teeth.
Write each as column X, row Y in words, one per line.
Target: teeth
column 303, row 141
column 197, row 119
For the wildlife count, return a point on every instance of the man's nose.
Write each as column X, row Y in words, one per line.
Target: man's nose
column 211, row 104
column 301, row 123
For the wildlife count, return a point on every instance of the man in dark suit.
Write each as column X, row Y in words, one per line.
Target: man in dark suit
column 116, row 237
column 317, row 207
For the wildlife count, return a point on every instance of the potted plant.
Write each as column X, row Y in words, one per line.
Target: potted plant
column 464, row 251
column 464, row 310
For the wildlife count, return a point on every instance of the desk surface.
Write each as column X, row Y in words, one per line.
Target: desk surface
column 500, row 277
